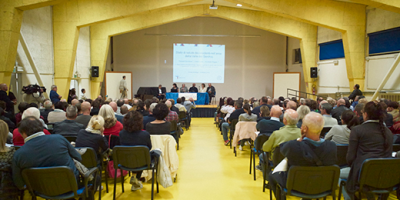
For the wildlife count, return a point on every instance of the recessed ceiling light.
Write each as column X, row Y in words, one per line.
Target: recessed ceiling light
column 239, row 5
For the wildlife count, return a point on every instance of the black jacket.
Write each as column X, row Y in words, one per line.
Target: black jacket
column 45, row 114
column 67, row 128
column 212, row 89
column 355, row 93
column 135, row 138
column 235, row 114
column 193, row 89
column 9, row 104
column 256, row 110
column 268, row 126
column 337, row 113
column 93, row 140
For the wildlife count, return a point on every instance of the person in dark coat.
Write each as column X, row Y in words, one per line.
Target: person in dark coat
column 4, row 97
column 356, row 92
column 68, row 127
column 369, row 140
column 337, row 112
column 309, row 150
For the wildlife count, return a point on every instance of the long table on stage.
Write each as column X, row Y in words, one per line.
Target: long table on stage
column 202, row 98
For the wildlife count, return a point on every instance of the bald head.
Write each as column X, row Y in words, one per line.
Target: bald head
column 85, row 107
column 291, row 105
column 126, row 101
column 276, row 111
column 341, row 102
column 113, row 106
column 290, row 117
column 312, row 125
column 74, row 102
column 3, row 87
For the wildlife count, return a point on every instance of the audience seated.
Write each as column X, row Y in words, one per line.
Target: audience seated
column 74, row 101
column 329, row 121
column 18, row 140
column 142, row 107
column 7, row 188
column 150, row 117
column 93, row 137
column 229, row 109
column 247, row 115
column 180, row 106
column 263, row 101
column 68, row 127
column 189, row 105
column 173, row 108
column 302, row 111
column 309, row 150
column 340, row 134
column 126, row 103
column 120, row 102
column 369, row 140
column 96, row 104
column 48, row 107
column 133, row 135
column 389, row 118
column 21, row 107
column 264, row 113
column 85, row 117
column 111, row 125
column 124, row 110
column 58, row 114
column 159, row 126
column 393, row 109
column 337, row 112
column 41, row 150
column 358, row 111
column 172, row 115
column 10, row 124
column 268, row 126
column 115, row 108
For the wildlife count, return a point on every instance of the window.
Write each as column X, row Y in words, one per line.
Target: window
column 331, row 50
column 387, row 41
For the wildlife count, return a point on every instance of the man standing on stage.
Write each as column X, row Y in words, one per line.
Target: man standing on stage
column 211, row 91
column 122, row 87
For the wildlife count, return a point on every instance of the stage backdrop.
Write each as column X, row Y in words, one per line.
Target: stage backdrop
column 250, row 61
column 111, row 81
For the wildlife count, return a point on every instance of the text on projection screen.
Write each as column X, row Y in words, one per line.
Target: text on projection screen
column 198, row 63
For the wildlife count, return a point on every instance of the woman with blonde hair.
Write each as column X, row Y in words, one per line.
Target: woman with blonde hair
column 92, row 136
column 7, row 188
column 111, row 125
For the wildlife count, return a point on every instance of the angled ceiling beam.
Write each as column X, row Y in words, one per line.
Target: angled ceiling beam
column 389, row 5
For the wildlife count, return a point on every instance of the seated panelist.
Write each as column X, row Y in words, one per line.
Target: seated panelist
column 193, row 88
column 174, row 88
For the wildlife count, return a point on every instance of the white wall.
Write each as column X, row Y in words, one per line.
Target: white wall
column 293, row 67
column 249, row 62
column 82, row 64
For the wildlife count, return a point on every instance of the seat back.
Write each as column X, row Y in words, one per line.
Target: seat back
column 182, row 115
column 396, row 147
column 313, row 180
column 131, row 157
column 324, row 131
column 380, row 173
column 277, row 156
column 71, row 138
column 233, row 124
column 50, row 127
column 89, row 158
column 259, row 142
column 114, row 141
column 174, row 126
column 50, row 181
column 341, row 155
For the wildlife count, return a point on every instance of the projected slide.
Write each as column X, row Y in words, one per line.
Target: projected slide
column 199, row 63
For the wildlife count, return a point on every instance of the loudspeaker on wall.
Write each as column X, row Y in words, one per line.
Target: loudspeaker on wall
column 95, row 71
column 314, row 72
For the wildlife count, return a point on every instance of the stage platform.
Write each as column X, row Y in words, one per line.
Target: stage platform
column 204, row 111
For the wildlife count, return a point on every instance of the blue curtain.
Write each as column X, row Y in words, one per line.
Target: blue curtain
column 331, row 50
column 384, row 41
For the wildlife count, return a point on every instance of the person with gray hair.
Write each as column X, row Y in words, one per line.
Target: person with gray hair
column 68, row 127
column 303, row 110
column 326, row 109
column 172, row 115
column 54, row 97
column 308, row 150
column 124, row 110
column 150, row 117
column 337, row 112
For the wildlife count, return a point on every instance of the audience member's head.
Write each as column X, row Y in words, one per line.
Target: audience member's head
column 120, row 102
column 303, row 111
column 358, row 109
column 264, row 111
column 169, row 104
column 326, row 109
column 126, row 101
column 113, row 106
column 147, row 104
column 152, row 106
column 29, row 126
column 276, row 101
column 71, row 112
column 31, row 112
column 85, row 107
column 347, row 102
column 230, row 101
column 377, row 111
column 108, row 114
column 183, row 100
column 133, row 121
column 302, row 101
column 341, row 102
column 79, row 107
column 291, row 105
column 179, row 100
column 276, row 111
column 96, row 123
column 160, row 111
column 350, row 119
column 61, row 105
column 54, row 88
column 290, row 117
column 172, row 101
column 313, row 123
column 238, row 104
column 356, row 86
column 97, row 103
column 22, row 107
column 247, row 109
column 33, row 105
column 48, row 105
column 392, row 106
column 155, row 100
column 264, row 100
column 3, row 135
column 74, row 102
column 124, row 109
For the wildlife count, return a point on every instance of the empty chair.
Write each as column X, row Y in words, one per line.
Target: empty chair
column 310, row 182
column 56, row 182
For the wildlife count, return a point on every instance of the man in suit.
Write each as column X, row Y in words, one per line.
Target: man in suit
column 193, row 88
column 68, row 127
column 263, row 102
column 326, row 110
column 41, row 150
column 161, row 92
column 356, row 92
column 337, row 112
column 211, row 91
column 309, row 150
column 115, row 107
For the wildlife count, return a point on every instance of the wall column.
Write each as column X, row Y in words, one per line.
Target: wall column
column 309, row 49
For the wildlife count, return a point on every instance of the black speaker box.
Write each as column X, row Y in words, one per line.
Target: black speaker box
column 314, row 72
column 95, row 71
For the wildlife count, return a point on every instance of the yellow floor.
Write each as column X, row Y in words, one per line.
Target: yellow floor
column 207, row 170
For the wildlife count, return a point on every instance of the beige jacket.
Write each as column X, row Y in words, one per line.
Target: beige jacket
column 244, row 130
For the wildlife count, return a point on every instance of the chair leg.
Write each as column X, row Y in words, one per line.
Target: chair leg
column 251, row 158
column 106, row 177
column 254, row 165
column 115, row 183
column 122, row 180
column 152, row 185
column 340, row 190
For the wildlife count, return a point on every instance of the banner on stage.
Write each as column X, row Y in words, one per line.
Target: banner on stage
column 188, row 95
